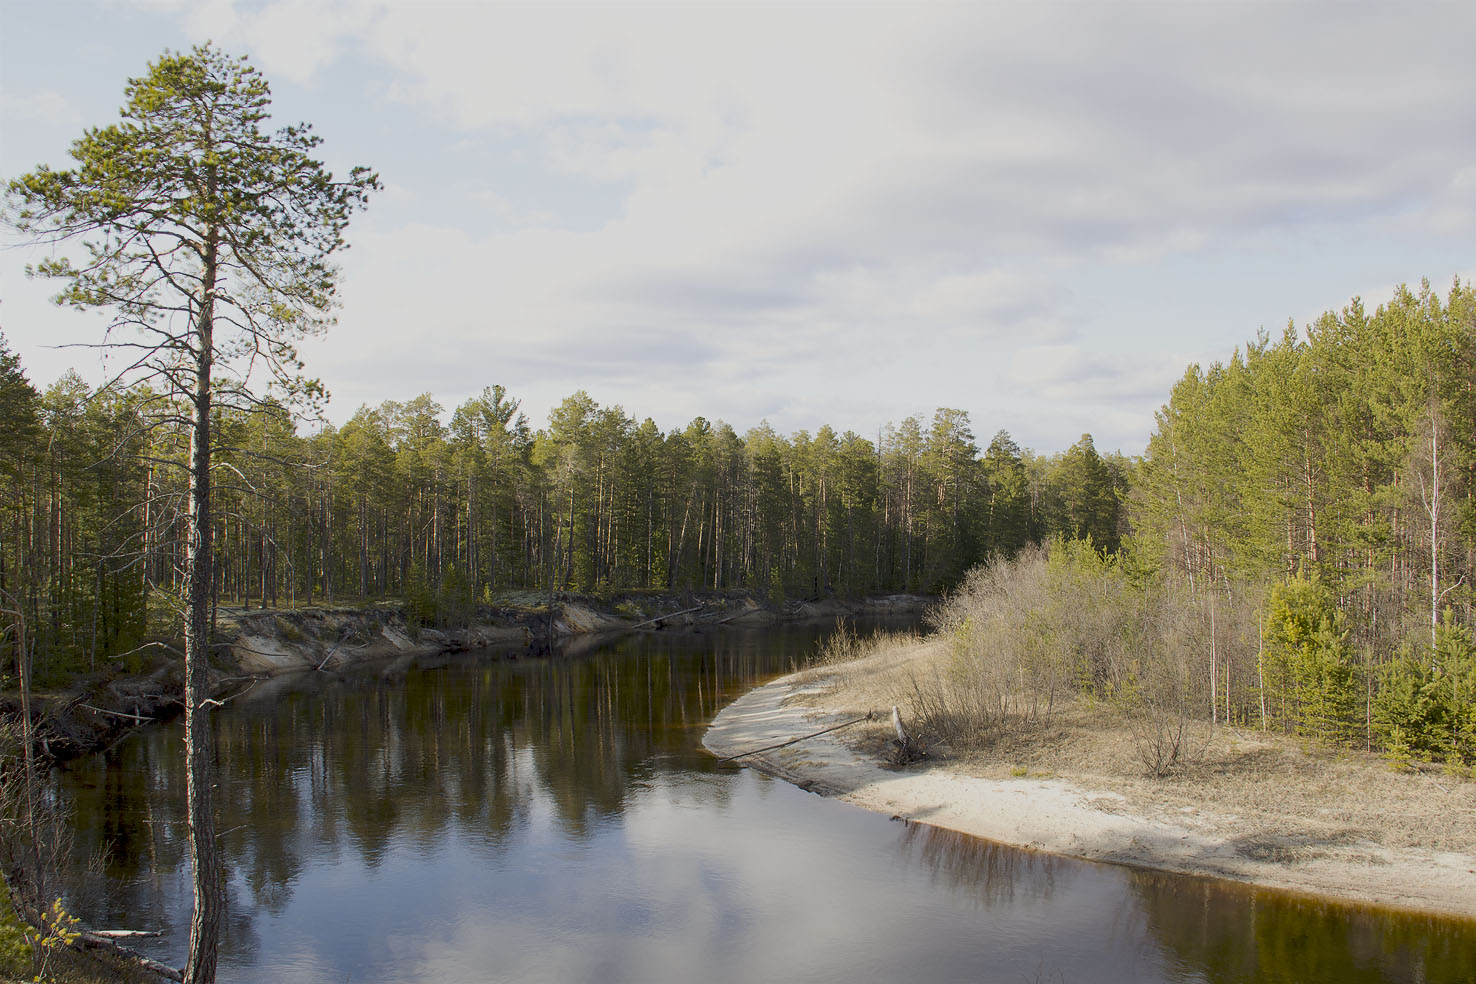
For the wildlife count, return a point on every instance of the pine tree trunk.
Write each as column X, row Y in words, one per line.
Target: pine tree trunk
column 199, row 756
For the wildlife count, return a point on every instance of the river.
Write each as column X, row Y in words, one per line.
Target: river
column 478, row 819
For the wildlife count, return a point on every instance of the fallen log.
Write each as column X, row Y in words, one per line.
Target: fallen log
column 122, row 714
column 97, row 942
column 659, row 618
column 793, row 741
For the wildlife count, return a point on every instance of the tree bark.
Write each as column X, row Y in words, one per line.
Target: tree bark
column 199, row 756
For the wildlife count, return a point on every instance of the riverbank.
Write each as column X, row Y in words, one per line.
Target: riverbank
column 252, row 645
column 1253, row 808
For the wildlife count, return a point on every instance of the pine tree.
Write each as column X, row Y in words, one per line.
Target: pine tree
column 210, row 238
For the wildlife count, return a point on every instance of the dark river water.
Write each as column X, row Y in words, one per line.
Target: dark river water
column 558, row 820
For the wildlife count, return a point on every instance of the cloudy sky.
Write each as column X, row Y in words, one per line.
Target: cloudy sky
column 831, row 213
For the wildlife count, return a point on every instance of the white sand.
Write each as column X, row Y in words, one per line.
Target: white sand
column 1062, row 818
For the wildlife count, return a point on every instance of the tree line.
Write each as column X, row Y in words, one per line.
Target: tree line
column 1313, row 495
column 407, row 498
column 1298, row 553
column 1316, row 494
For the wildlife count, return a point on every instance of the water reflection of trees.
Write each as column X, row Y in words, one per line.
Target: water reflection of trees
column 1236, row 933
column 477, row 749
column 470, row 747
column 993, row 874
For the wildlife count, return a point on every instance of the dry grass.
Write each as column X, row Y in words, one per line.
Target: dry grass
column 1280, row 789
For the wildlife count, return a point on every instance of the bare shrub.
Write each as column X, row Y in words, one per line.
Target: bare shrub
column 1063, row 622
column 957, row 709
column 34, row 833
column 841, row 646
column 1162, row 741
column 1005, row 668
column 1159, row 710
column 845, row 644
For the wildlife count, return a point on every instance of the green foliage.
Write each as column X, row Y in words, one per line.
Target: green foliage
column 1087, row 496
column 449, row 605
column 15, row 946
column 1347, row 450
column 776, row 586
column 19, row 426
column 288, row 631
column 1007, row 511
column 1426, row 707
column 57, row 932
column 27, row 952
column 1309, row 661
column 454, row 599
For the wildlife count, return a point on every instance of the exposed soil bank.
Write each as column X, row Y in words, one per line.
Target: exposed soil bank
column 1067, row 818
column 252, row 645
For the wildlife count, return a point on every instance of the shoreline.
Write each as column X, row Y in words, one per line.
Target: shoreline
column 1063, row 817
column 253, row 646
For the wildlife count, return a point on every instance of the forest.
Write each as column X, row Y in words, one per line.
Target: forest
column 404, row 501
column 1316, row 494
column 1297, row 552
column 1304, row 515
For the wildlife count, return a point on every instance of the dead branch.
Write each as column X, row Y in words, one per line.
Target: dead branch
column 868, row 716
column 122, row 714
column 659, row 618
column 212, row 702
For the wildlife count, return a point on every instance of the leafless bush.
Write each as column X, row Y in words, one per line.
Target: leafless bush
column 846, row 644
column 34, row 836
column 841, row 646
column 1065, row 623
column 1159, row 710
column 1005, row 669
column 960, row 710
column 1162, row 741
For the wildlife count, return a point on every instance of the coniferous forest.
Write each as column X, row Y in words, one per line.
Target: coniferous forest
column 1317, row 492
column 404, row 497
column 1314, row 496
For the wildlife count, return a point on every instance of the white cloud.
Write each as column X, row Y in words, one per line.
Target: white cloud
column 37, row 104
column 777, row 208
column 294, row 40
column 1083, row 376
column 204, row 19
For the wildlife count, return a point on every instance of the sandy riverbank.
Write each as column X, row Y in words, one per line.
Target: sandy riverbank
column 1092, row 820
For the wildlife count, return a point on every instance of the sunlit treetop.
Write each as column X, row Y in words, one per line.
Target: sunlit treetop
column 190, row 205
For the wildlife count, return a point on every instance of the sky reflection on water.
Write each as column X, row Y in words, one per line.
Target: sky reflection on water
column 557, row 821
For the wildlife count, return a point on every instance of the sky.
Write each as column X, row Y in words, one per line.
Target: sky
column 829, row 213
